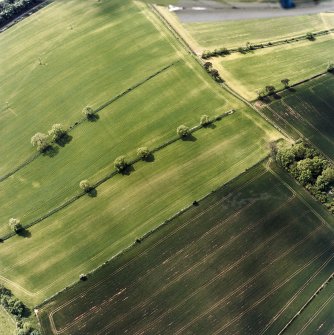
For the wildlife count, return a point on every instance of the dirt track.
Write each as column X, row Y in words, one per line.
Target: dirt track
column 208, row 10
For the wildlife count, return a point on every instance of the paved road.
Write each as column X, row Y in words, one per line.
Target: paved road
column 208, row 10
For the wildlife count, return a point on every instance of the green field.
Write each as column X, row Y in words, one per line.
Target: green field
column 297, row 61
column 93, row 51
column 119, row 130
column 232, row 34
column 7, row 324
column 307, row 112
column 64, row 245
column 242, row 253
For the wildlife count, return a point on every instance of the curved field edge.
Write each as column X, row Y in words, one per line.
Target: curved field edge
column 64, row 245
column 233, row 202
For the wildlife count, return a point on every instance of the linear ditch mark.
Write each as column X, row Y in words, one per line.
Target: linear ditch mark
column 83, row 119
column 264, row 45
column 109, row 176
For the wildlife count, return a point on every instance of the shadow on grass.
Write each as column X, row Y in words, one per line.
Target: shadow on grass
column 189, row 138
column 50, row 151
column 128, row 170
column 150, row 158
column 210, row 126
column 24, row 233
column 277, row 96
column 65, row 139
column 93, row 117
column 92, row 193
column 291, row 89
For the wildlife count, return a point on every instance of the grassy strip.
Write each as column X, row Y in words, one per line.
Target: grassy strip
column 252, row 47
column 83, row 119
column 107, row 177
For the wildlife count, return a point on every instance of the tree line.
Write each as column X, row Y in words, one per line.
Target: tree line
column 9, row 9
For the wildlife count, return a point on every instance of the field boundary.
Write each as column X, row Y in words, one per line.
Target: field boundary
column 107, row 177
column 83, row 119
column 264, row 45
column 164, row 223
column 303, row 81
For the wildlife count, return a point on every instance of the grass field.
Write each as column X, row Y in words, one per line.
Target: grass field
column 172, row 101
column 58, row 249
column 243, row 253
column 7, row 324
column 64, row 245
column 231, row 34
column 93, row 51
column 251, row 72
column 308, row 112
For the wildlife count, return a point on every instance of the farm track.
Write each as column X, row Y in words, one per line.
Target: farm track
column 97, row 110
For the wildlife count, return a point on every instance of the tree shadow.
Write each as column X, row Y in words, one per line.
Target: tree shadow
column 65, row 139
column 210, row 125
column 92, row 193
column 50, row 151
column 265, row 99
column 128, row 170
column 150, row 158
column 195, row 203
column 189, row 138
column 292, row 89
column 24, row 233
column 93, row 117
column 26, row 312
column 276, row 96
